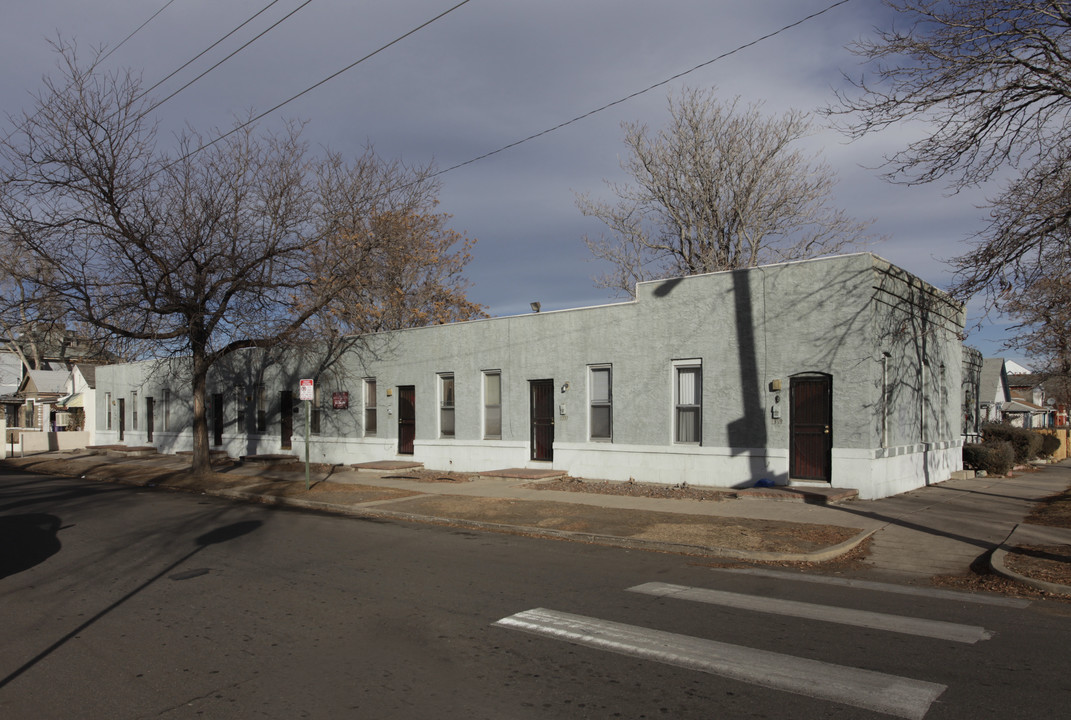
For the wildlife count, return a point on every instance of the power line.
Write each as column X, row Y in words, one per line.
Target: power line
column 327, row 79
column 228, row 57
column 139, row 27
column 210, row 47
column 659, row 84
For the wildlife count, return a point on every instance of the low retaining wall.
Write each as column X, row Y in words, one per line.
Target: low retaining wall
column 31, row 441
column 1064, row 434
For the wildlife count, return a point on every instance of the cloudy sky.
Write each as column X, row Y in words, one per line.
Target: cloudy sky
column 488, row 74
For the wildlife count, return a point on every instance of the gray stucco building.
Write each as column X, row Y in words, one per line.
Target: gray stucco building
column 842, row 370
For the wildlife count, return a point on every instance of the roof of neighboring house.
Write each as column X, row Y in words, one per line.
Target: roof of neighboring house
column 1030, row 380
column 994, row 375
column 1015, row 368
column 89, row 374
column 1020, row 406
column 44, row 382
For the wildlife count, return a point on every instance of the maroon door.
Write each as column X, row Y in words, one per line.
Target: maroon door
column 122, row 419
column 542, row 419
column 406, row 419
column 811, row 413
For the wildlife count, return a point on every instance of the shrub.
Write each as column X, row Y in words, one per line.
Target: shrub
column 1025, row 443
column 1049, row 444
column 995, row 458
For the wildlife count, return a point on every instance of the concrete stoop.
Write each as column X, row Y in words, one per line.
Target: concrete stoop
column 121, row 450
column 388, row 465
column 787, row 493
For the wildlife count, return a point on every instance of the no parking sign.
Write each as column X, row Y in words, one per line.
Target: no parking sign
column 306, row 390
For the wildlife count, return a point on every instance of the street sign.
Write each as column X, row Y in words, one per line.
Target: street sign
column 306, row 390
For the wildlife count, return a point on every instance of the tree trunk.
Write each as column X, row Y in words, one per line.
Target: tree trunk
column 201, row 464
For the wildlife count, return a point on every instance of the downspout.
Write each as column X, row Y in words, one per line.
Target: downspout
column 884, row 400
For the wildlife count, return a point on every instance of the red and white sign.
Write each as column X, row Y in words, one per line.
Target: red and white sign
column 307, row 391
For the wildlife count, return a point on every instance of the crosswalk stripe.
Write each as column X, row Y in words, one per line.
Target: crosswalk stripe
column 867, row 689
column 845, row 616
column 955, row 595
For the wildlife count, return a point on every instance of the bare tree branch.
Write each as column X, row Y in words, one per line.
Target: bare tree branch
column 722, row 187
column 251, row 242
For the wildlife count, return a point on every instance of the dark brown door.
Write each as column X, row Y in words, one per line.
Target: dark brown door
column 150, row 405
column 217, row 418
column 286, row 418
column 406, row 419
column 811, row 413
column 122, row 419
column 542, row 419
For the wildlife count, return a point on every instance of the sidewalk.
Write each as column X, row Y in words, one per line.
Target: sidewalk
column 937, row 530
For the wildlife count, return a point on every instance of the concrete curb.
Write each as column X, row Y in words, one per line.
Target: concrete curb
column 997, row 565
column 816, row 556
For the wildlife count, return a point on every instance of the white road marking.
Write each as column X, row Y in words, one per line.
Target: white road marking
column 977, row 598
column 845, row 616
column 889, row 694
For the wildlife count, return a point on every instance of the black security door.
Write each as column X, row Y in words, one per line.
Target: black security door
column 150, row 406
column 122, row 419
column 286, row 418
column 542, row 419
column 406, row 419
column 811, row 412
column 217, row 418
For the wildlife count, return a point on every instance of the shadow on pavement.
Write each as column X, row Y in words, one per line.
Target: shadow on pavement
column 27, row 540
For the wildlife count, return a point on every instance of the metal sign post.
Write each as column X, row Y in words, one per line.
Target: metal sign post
column 307, row 394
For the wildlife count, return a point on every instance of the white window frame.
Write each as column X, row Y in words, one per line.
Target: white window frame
column 599, row 403
column 167, row 410
column 133, row 409
column 487, row 374
column 371, row 407
column 678, row 367
column 108, row 411
column 447, row 405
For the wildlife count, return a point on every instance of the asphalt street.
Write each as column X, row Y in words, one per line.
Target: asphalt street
column 123, row 602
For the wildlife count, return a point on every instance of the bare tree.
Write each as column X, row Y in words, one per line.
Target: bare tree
column 722, row 187
column 989, row 81
column 224, row 246
column 1043, row 316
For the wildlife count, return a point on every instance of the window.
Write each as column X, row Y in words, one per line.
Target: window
column 688, row 402
column 107, row 411
column 370, row 406
column 601, row 416
column 240, row 401
column 492, row 404
column 262, row 408
column 167, row 411
column 446, row 405
column 133, row 409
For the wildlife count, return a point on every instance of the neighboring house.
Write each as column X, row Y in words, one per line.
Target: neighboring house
column 842, row 370
column 994, row 392
column 39, row 391
column 1028, row 389
column 1020, row 413
column 57, row 350
column 80, row 395
column 10, row 373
